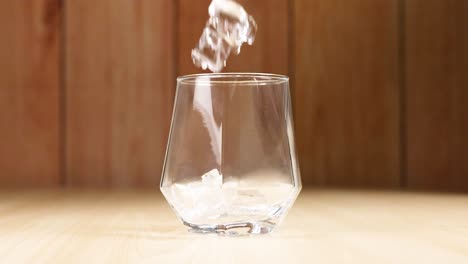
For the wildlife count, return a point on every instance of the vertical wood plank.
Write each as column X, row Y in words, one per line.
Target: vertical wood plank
column 29, row 90
column 269, row 53
column 120, row 83
column 437, row 94
column 347, row 93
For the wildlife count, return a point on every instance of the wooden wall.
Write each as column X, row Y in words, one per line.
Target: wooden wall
column 29, row 93
column 437, row 93
column 380, row 88
column 119, row 79
column 347, row 92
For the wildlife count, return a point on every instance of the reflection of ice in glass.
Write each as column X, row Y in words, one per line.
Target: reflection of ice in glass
column 228, row 27
column 202, row 103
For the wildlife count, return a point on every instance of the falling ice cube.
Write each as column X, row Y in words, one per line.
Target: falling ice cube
column 228, row 27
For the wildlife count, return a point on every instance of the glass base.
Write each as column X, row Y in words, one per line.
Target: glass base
column 234, row 229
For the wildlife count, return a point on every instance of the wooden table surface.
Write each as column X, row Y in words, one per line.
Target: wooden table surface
column 83, row 226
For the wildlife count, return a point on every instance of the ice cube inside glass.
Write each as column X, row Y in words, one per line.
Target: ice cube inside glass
column 230, row 164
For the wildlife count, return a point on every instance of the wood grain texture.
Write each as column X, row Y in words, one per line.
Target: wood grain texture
column 120, row 83
column 29, row 91
column 347, row 93
column 269, row 53
column 322, row 227
column 437, row 94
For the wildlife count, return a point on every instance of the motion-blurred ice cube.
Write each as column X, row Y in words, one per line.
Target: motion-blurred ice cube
column 228, row 27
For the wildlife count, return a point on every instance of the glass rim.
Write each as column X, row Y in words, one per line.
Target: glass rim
column 242, row 78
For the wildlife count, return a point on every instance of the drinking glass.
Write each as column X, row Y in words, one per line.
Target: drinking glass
column 230, row 165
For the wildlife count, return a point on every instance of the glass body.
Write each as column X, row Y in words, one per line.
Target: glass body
column 230, row 165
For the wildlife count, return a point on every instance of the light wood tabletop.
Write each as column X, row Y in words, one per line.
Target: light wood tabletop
column 324, row 226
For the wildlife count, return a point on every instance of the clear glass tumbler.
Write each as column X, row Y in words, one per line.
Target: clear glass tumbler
column 230, row 164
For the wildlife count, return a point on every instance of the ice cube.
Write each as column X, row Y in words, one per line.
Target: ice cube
column 227, row 29
column 212, row 179
column 228, row 7
column 212, row 50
